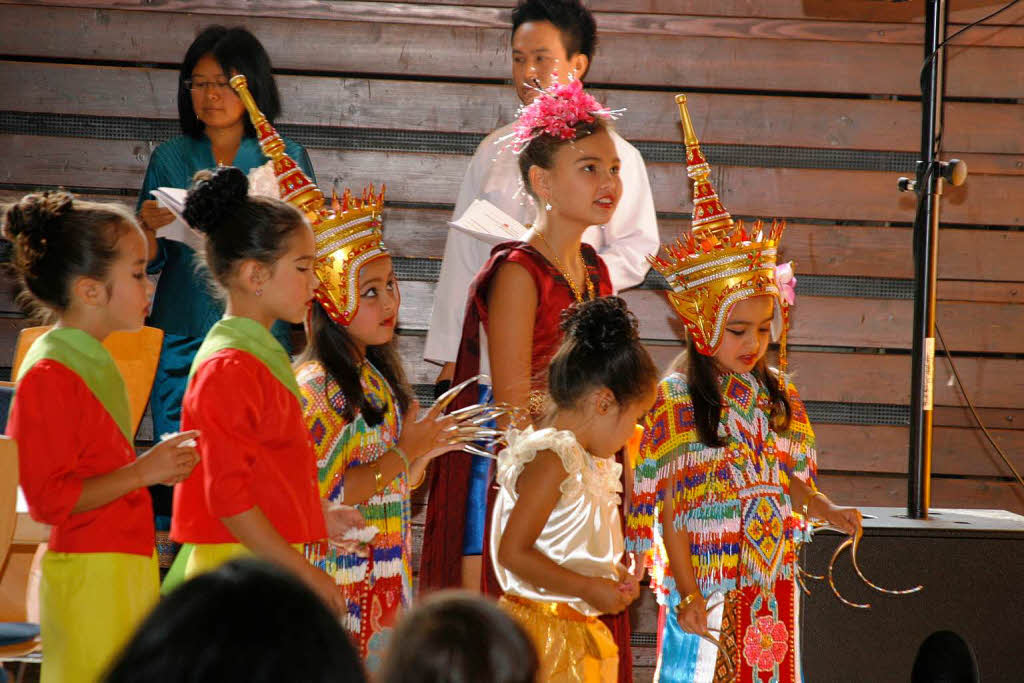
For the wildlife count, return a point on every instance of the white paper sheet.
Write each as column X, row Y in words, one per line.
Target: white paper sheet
column 488, row 223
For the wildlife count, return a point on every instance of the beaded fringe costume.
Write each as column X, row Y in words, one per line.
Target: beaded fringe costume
column 376, row 588
column 733, row 501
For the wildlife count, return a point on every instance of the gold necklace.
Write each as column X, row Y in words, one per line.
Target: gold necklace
column 565, row 272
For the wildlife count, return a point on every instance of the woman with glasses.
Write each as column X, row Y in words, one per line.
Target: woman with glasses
column 216, row 132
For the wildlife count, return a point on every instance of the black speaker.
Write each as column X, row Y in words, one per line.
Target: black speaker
column 971, row 564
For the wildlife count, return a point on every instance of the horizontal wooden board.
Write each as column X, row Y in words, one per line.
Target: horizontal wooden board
column 825, row 321
column 834, row 250
column 994, row 385
column 435, row 178
column 891, row 491
column 843, row 377
column 832, row 10
column 885, row 449
column 979, row 128
column 885, row 378
column 699, row 61
column 872, row 251
column 992, row 418
column 872, row 379
column 995, row 292
column 619, row 20
column 817, row 321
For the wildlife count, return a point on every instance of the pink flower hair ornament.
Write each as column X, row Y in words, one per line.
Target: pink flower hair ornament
column 555, row 111
column 786, row 282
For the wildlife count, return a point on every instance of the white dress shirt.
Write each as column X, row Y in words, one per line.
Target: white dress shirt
column 493, row 174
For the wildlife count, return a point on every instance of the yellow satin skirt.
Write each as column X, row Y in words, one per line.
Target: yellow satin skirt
column 570, row 646
column 90, row 605
column 206, row 557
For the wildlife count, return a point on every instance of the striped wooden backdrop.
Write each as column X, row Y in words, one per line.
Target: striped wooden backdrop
column 806, row 108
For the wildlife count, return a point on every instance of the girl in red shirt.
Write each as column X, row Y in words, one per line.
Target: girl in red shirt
column 255, row 490
column 85, row 264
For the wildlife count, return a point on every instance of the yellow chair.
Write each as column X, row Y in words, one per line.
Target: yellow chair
column 135, row 353
column 20, row 539
column 8, row 494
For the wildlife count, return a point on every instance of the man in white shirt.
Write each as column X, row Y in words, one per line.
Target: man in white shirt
column 549, row 37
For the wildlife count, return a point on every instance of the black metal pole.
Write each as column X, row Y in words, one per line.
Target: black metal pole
column 926, row 245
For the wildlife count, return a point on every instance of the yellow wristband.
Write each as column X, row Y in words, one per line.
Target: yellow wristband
column 688, row 600
column 378, row 478
column 807, row 502
column 419, row 483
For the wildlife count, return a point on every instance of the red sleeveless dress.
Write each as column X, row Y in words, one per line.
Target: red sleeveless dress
column 441, row 558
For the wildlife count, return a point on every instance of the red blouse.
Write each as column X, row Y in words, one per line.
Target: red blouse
column 254, row 450
column 65, row 436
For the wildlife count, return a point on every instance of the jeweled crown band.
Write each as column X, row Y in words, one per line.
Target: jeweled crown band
column 348, row 233
column 719, row 263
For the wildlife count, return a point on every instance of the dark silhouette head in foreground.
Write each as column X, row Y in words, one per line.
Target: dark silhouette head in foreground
column 247, row 621
column 461, row 638
column 944, row 657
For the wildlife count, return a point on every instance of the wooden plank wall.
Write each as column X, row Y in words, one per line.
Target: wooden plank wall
column 806, row 109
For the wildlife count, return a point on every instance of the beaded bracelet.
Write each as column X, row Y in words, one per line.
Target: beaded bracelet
column 402, row 455
column 405, row 460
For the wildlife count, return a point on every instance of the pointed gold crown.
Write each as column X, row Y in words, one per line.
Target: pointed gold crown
column 719, row 263
column 348, row 232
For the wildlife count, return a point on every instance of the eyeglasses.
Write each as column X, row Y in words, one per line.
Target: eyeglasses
column 220, row 87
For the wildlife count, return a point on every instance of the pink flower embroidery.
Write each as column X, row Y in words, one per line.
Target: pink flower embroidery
column 765, row 643
column 786, row 281
column 554, row 112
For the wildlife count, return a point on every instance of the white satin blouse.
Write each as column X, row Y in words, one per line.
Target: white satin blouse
column 583, row 533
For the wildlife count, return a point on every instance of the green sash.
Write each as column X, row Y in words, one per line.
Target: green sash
column 245, row 334
column 85, row 356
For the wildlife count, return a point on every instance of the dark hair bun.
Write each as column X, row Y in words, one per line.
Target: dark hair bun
column 601, row 325
column 214, row 196
column 35, row 217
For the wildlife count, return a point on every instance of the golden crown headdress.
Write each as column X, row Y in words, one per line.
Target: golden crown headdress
column 348, row 233
column 720, row 263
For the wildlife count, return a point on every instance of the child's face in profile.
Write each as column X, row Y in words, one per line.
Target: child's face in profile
column 747, row 334
column 618, row 423
column 612, row 424
column 289, row 291
column 379, row 300
column 584, row 182
column 537, row 52
column 128, row 287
